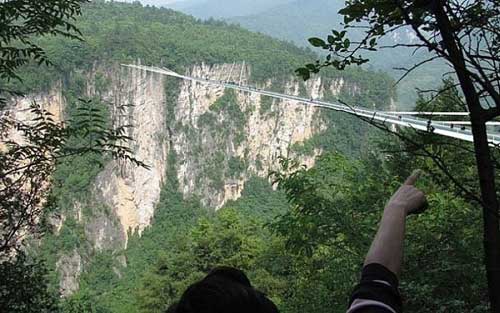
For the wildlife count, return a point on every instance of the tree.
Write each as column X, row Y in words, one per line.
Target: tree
column 23, row 287
column 227, row 238
column 26, row 164
column 334, row 210
column 466, row 35
column 21, row 22
column 24, row 170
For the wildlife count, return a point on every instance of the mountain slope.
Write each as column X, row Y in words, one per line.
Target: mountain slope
column 108, row 221
column 302, row 19
column 216, row 8
column 295, row 21
column 227, row 8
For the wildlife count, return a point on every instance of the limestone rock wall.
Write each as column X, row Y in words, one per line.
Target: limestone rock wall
column 265, row 134
column 218, row 146
column 207, row 141
column 137, row 99
column 19, row 108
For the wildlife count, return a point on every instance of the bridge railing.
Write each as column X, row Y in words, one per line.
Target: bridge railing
column 405, row 119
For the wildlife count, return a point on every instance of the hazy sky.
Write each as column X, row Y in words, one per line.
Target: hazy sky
column 161, row 2
column 156, row 2
column 217, row 8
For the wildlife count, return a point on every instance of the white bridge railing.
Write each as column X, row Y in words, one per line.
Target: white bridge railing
column 455, row 130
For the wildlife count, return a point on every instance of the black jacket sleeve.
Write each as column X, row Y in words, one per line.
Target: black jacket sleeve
column 377, row 292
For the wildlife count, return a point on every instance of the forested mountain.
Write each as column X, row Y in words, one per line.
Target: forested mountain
column 179, row 5
column 217, row 8
column 108, row 224
column 295, row 21
column 162, row 3
column 121, row 238
column 228, row 8
column 300, row 20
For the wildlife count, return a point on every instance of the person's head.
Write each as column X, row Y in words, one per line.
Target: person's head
column 223, row 290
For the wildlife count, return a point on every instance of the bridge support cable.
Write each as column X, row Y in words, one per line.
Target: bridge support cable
column 394, row 118
column 241, row 73
column 430, row 113
column 230, row 73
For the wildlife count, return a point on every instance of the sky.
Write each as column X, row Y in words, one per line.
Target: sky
column 246, row 6
column 156, row 2
column 160, row 2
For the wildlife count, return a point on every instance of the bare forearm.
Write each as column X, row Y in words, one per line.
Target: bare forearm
column 378, row 287
column 387, row 246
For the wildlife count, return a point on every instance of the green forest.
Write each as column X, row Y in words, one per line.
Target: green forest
column 300, row 234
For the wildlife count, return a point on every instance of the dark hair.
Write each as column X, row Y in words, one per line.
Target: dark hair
column 223, row 290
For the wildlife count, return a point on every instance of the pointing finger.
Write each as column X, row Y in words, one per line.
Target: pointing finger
column 413, row 178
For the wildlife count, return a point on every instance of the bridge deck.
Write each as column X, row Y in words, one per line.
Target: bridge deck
column 405, row 119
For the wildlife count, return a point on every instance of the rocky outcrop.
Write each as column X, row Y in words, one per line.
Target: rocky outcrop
column 220, row 138
column 25, row 183
column 69, row 268
column 137, row 99
column 208, row 140
column 19, row 109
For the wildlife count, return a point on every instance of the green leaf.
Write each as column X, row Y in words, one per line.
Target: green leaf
column 317, row 42
column 347, row 43
column 310, row 67
column 303, row 72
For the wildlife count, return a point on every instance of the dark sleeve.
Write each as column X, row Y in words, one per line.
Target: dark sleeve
column 377, row 292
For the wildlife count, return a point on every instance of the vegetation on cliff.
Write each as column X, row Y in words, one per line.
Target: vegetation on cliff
column 303, row 243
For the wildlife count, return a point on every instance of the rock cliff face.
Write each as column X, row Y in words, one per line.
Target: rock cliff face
column 220, row 138
column 18, row 108
column 137, row 99
column 219, row 146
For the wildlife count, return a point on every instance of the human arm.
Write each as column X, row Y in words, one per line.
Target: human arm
column 378, row 290
column 387, row 246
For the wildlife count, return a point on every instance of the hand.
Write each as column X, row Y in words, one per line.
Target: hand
column 408, row 197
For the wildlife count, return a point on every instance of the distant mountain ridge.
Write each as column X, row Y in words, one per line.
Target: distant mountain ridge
column 296, row 21
column 205, row 9
column 231, row 8
column 302, row 19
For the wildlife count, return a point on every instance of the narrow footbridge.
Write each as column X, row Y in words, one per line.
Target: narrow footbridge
column 453, row 129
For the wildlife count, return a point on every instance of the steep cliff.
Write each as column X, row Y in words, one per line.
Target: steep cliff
column 220, row 138
column 18, row 108
column 137, row 99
